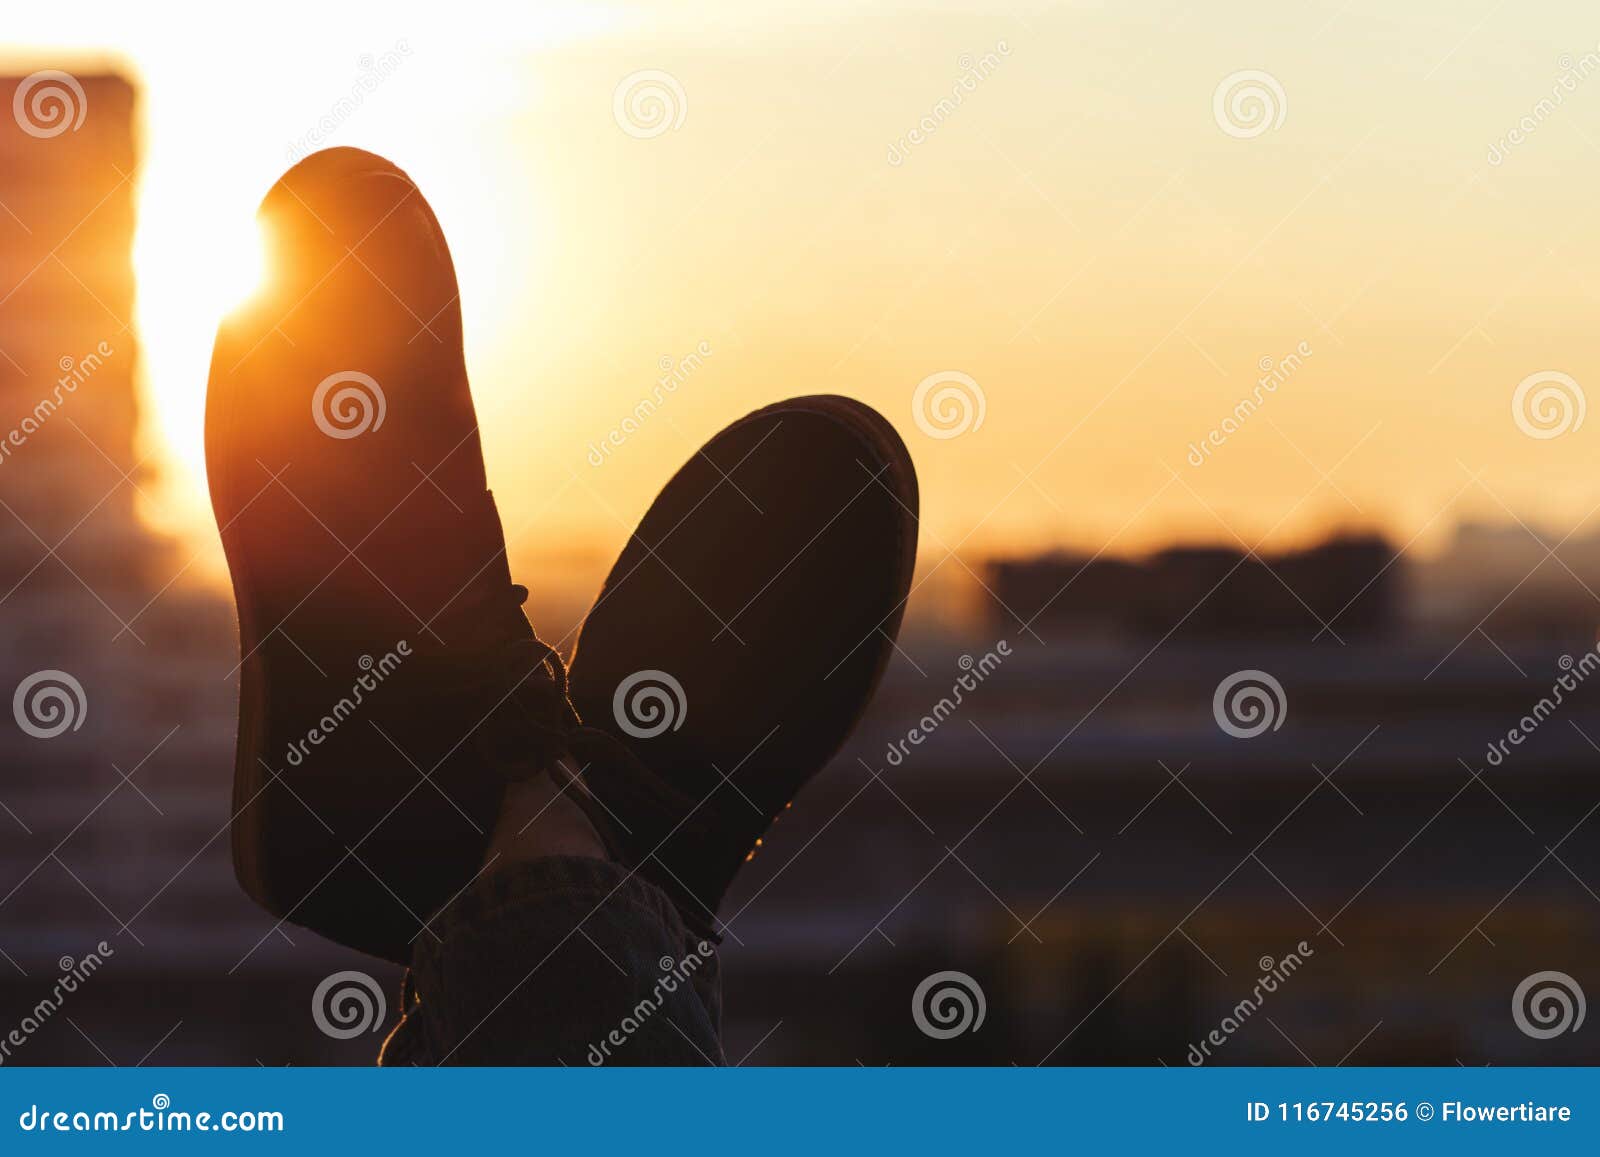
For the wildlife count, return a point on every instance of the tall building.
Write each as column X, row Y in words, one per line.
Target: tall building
column 116, row 707
column 68, row 351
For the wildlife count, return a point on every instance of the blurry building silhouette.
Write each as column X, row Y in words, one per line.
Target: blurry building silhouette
column 1348, row 583
column 1517, row 580
column 114, row 786
column 1081, row 836
column 67, row 352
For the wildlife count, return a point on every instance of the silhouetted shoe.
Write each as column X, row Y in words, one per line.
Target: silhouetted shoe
column 388, row 676
column 740, row 636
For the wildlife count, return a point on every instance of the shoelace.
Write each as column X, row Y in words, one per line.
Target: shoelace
column 611, row 783
column 618, row 790
column 526, row 680
column 548, row 657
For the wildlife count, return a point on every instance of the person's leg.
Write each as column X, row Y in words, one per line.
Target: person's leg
column 391, row 686
column 705, row 710
column 387, row 670
column 740, row 636
column 556, row 954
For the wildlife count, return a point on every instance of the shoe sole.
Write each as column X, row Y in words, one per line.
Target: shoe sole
column 359, row 830
column 767, row 582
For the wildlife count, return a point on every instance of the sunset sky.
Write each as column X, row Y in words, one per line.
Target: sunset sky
column 1080, row 236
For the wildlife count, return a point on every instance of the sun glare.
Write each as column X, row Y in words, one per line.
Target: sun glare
column 194, row 261
column 241, row 271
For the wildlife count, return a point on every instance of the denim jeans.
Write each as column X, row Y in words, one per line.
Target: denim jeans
column 561, row 960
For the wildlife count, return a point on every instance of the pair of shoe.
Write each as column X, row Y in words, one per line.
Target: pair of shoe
column 390, row 683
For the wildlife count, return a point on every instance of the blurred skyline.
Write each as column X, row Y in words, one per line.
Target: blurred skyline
column 1348, row 309
column 1079, row 235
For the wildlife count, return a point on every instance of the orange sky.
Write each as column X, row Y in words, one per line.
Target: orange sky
column 1085, row 236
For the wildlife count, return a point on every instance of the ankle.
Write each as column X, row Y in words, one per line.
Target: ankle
column 539, row 819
